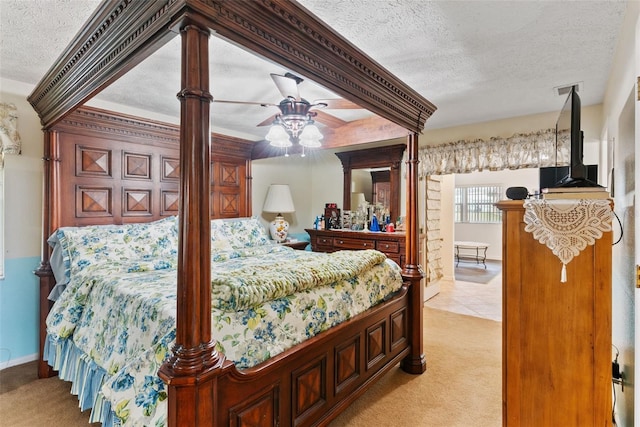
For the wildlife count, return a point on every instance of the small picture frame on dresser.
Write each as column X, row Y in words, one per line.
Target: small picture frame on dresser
column 346, row 220
column 331, row 218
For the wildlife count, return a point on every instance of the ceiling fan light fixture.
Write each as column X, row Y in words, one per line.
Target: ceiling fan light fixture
column 294, row 124
column 310, row 136
column 295, row 121
column 278, row 136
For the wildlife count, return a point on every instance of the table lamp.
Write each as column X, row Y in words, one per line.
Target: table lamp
column 357, row 199
column 278, row 201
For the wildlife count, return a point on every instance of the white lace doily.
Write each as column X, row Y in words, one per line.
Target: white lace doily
column 567, row 226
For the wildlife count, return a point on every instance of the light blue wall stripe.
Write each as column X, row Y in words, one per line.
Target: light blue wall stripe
column 19, row 293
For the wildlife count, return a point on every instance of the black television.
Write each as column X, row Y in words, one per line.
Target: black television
column 568, row 125
column 552, row 176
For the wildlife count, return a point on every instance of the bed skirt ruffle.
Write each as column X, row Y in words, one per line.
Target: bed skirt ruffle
column 85, row 376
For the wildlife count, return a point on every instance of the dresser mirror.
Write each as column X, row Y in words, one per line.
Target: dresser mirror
column 373, row 174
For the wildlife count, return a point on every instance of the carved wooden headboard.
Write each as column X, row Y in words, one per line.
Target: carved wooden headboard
column 111, row 168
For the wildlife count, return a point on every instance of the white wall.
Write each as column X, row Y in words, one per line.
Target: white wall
column 591, row 125
column 327, row 182
column 292, row 170
column 621, row 129
column 314, row 180
column 23, row 179
column 19, row 290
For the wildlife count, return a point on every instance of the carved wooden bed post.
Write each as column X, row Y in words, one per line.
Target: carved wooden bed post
column 50, row 222
column 194, row 355
column 415, row 362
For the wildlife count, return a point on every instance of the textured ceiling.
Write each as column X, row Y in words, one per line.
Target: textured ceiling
column 475, row 60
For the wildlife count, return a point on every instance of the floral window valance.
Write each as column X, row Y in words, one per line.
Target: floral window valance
column 10, row 142
column 532, row 150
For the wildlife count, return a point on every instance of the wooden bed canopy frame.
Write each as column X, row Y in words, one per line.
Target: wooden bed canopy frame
column 313, row 382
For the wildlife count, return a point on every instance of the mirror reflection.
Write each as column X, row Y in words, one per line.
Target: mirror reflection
column 371, row 188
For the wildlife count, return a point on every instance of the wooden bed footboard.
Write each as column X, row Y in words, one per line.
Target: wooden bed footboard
column 314, row 381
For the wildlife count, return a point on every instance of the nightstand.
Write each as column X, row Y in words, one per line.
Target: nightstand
column 300, row 244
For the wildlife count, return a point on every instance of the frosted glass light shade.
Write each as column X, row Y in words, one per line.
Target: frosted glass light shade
column 278, row 137
column 310, row 136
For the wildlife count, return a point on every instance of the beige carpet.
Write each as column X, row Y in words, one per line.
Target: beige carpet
column 461, row 387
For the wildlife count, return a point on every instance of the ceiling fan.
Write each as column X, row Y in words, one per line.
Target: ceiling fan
column 296, row 113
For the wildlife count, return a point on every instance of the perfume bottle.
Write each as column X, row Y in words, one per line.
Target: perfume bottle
column 374, row 223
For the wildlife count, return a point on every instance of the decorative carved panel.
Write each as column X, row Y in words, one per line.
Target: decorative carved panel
column 170, row 169
column 347, row 368
column 309, row 387
column 229, row 175
column 169, row 203
column 228, row 205
column 93, row 161
column 259, row 412
column 229, row 188
column 398, row 328
column 137, row 166
column 136, row 202
column 375, row 344
column 94, row 201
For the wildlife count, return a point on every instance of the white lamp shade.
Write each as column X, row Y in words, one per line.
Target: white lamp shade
column 357, row 199
column 278, row 199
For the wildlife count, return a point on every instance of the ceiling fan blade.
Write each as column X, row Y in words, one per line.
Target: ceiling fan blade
column 268, row 121
column 262, row 104
column 329, row 120
column 287, row 85
column 338, row 104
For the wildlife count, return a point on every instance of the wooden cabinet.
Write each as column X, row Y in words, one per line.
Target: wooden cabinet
column 556, row 336
column 391, row 244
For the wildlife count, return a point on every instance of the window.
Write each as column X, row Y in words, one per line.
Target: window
column 477, row 204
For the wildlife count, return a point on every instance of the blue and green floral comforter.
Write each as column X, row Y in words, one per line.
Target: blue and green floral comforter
column 114, row 324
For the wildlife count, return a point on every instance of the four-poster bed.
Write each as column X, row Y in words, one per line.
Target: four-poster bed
column 309, row 383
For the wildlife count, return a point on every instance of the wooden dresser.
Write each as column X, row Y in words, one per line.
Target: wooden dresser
column 392, row 244
column 556, row 336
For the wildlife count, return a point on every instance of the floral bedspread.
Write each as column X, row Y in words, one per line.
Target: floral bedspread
column 121, row 317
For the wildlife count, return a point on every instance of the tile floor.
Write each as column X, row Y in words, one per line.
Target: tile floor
column 473, row 299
